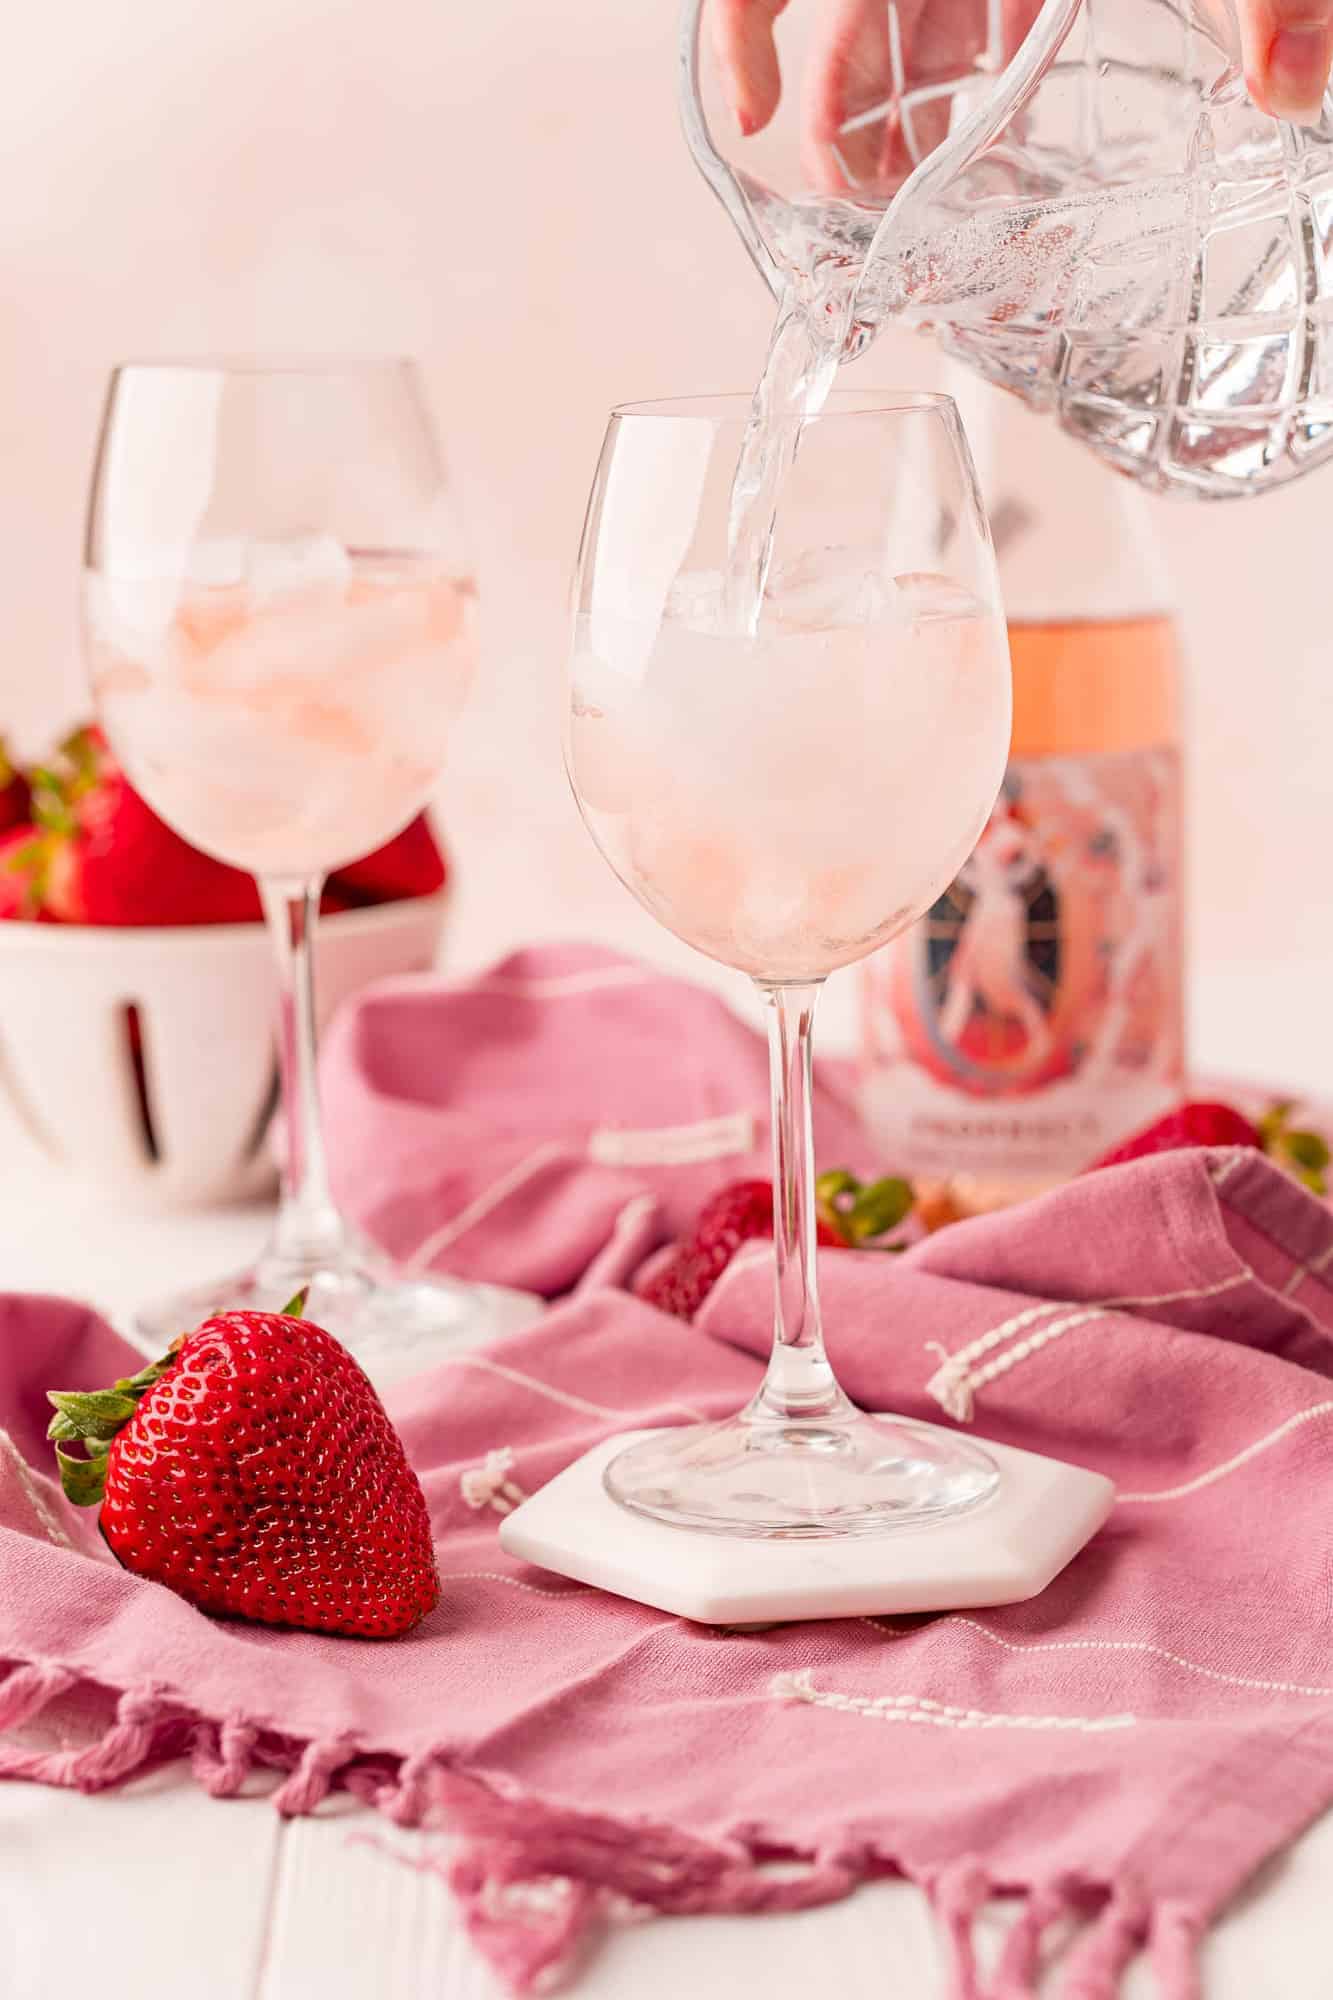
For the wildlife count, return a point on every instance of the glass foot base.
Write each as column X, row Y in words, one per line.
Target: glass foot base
column 395, row 1325
column 850, row 1474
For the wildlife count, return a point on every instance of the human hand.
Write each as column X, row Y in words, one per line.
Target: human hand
column 851, row 74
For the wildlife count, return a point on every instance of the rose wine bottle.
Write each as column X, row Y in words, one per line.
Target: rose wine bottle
column 1034, row 1016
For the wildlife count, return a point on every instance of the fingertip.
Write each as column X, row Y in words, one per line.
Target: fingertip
column 756, row 104
column 1287, row 66
column 746, row 53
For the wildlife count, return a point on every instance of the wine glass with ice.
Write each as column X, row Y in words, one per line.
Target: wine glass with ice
column 786, row 780
column 279, row 620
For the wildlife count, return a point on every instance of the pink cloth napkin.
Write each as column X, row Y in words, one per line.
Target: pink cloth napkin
column 498, row 1128
column 1119, row 1754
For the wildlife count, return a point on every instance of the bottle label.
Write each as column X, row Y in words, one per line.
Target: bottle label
column 1033, row 1017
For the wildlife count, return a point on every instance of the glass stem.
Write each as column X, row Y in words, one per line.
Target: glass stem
column 309, row 1230
column 800, row 1384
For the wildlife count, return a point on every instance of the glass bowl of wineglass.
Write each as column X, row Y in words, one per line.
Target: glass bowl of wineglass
column 279, row 621
column 785, row 730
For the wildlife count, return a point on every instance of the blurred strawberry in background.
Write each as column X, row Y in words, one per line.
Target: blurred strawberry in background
column 106, row 858
column 19, row 862
column 78, row 845
column 410, row 865
column 15, row 797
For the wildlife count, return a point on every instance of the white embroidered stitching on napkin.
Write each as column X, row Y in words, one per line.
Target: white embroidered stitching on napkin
column 955, row 1383
column 1229, row 1465
column 674, row 1145
column 1136, row 1646
column 32, row 1492
column 942, row 1715
column 489, row 1484
column 491, row 1197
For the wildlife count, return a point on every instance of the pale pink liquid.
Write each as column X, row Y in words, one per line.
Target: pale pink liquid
column 788, row 802
column 288, row 730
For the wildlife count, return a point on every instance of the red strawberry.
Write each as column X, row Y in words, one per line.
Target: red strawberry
column 731, row 1217
column 1205, row 1123
column 847, row 1215
column 15, row 793
column 1192, row 1124
column 22, row 862
column 410, row 864
column 111, row 860
column 253, row 1471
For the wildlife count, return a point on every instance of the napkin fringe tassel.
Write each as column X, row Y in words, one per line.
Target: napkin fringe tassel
column 126, row 1745
column 1115, row 1927
column 537, row 1881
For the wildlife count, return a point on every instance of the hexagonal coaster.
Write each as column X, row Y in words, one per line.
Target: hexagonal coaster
column 1008, row 1548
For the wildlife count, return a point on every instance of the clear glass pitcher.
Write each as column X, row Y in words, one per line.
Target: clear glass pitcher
column 1084, row 206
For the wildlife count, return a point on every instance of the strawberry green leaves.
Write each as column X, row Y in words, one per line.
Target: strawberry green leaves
column 95, row 1413
column 92, row 1418
column 83, row 1480
column 858, row 1212
column 1305, row 1155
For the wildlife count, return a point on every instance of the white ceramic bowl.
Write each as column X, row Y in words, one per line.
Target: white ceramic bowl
column 197, row 1129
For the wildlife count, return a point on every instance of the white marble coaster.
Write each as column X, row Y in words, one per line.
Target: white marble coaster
column 1006, row 1549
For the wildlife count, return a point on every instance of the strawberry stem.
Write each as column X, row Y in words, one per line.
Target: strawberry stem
column 295, row 1308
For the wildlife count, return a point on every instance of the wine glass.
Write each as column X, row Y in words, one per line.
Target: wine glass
column 279, row 621
column 786, row 786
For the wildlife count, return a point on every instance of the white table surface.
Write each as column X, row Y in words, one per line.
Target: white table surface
column 247, row 1907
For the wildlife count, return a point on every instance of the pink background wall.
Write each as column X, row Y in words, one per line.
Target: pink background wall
column 501, row 188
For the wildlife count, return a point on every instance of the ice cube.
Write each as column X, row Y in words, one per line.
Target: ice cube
column 217, row 563
column 597, row 685
column 925, row 595
column 312, row 565
column 695, row 598
column 826, row 590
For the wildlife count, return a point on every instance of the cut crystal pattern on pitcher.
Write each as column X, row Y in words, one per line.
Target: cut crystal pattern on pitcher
column 1112, row 230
